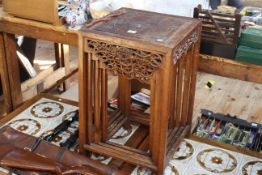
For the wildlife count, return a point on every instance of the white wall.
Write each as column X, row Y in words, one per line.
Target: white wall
column 175, row 7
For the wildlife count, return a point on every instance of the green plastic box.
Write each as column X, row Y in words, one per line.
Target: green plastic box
column 251, row 37
column 249, row 55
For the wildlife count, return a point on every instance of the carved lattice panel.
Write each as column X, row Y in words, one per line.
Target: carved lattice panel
column 132, row 63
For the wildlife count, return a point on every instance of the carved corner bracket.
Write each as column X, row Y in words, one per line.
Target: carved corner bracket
column 132, row 63
column 185, row 46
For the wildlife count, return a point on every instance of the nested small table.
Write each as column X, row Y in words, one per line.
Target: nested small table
column 156, row 49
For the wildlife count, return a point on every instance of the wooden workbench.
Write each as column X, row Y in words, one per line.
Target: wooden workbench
column 9, row 71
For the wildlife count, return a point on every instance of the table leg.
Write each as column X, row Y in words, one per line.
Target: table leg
column 160, row 95
column 13, row 70
column 124, row 93
column 193, row 82
column 86, row 133
column 173, row 95
column 97, row 101
column 104, row 95
column 4, row 78
column 62, row 58
column 66, row 64
column 186, row 90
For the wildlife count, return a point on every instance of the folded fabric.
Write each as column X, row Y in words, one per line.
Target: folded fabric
column 78, row 12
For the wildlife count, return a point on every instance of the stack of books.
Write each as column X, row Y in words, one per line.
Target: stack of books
column 139, row 101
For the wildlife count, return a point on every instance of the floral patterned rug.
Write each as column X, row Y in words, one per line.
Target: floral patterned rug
column 195, row 158
column 191, row 158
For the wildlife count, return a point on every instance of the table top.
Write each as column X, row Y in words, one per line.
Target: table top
column 143, row 26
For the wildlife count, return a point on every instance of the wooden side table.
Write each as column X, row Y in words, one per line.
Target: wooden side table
column 157, row 49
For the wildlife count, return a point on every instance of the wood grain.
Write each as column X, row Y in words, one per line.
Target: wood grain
column 44, row 11
column 230, row 68
column 229, row 96
column 141, row 56
column 13, row 70
column 7, row 99
column 10, row 26
column 38, row 30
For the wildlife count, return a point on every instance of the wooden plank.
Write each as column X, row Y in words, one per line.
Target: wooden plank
column 230, row 68
column 187, row 77
column 217, row 14
column 62, row 80
column 195, row 63
column 97, row 98
column 53, row 78
column 46, row 84
column 176, row 140
column 221, row 24
column 217, row 27
column 13, row 70
column 124, row 93
column 85, row 126
column 116, row 125
column 38, row 30
column 171, row 136
column 130, row 157
column 179, row 93
column 212, row 27
column 128, row 148
column 139, row 117
column 63, row 60
column 104, row 95
column 173, row 95
column 216, row 34
column 59, row 57
column 7, row 105
column 229, row 96
column 30, row 93
column 134, row 142
column 66, row 64
column 230, row 20
column 143, row 146
column 237, row 28
column 37, row 80
column 160, row 120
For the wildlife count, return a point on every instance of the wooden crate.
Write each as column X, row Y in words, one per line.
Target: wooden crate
column 220, row 32
column 39, row 10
